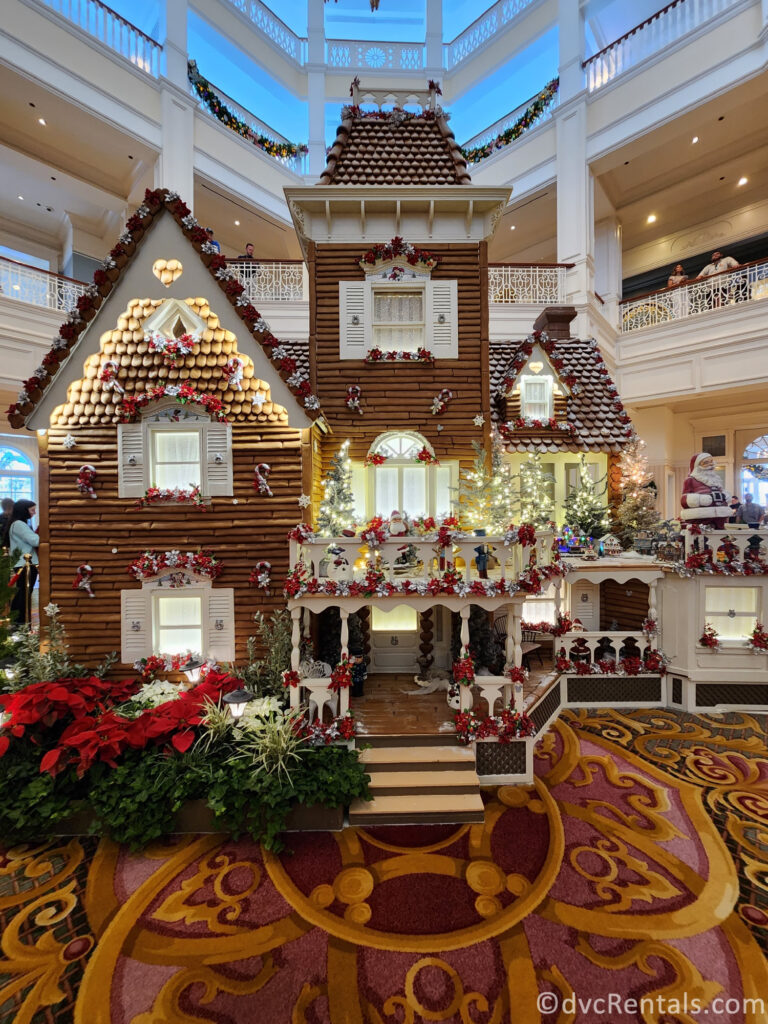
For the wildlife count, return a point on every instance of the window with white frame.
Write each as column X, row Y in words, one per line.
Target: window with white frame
column 733, row 611
column 536, row 397
column 165, row 617
column 17, row 473
column 403, row 483
column 169, row 450
column 398, row 315
column 177, row 622
column 541, row 607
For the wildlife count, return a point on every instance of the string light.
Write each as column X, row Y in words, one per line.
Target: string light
column 337, row 509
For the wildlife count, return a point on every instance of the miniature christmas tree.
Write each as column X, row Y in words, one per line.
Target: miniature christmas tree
column 535, row 492
column 583, row 508
column 337, row 509
column 637, row 508
column 487, row 491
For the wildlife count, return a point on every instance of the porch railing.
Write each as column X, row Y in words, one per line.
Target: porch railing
column 597, row 645
column 731, row 543
column 38, row 287
column 348, row 558
column 279, row 281
column 666, row 26
column 369, row 55
column 113, row 30
column 527, row 282
column 747, row 283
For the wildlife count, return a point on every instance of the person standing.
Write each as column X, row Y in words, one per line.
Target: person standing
column 23, row 540
column 735, row 506
column 5, row 520
column 248, row 254
column 718, row 265
column 211, row 240
column 678, row 276
column 751, row 513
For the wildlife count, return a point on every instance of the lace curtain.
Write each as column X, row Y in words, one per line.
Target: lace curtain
column 176, row 459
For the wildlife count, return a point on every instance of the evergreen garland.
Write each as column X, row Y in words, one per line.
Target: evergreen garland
column 529, row 117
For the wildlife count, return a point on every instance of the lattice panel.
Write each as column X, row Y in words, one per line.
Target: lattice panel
column 710, row 694
column 548, row 706
column 677, row 690
column 613, row 689
column 500, row 758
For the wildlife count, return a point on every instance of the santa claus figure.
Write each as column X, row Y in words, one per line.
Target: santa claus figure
column 704, row 499
column 397, row 524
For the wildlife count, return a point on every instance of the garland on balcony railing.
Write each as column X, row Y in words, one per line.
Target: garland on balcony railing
column 529, row 117
column 219, row 109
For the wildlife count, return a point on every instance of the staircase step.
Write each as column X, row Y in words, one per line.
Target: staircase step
column 406, row 759
column 417, row 739
column 411, row 809
column 387, row 783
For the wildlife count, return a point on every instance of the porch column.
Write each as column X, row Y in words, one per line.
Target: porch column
column 517, row 634
column 465, row 692
column 653, row 613
column 295, row 691
column 344, row 631
column 509, row 652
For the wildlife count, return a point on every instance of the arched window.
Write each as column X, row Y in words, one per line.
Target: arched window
column 757, row 449
column 17, row 474
column 754, row 470
column 405, row 483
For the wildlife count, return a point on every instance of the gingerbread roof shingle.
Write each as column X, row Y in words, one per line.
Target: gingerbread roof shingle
column 88, row 401
column 376, row 149
column 595, row 410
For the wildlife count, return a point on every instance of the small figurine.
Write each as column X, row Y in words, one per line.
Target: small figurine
column 590, row 555
column 611, row 545
column 397, row 525
column 704, row 499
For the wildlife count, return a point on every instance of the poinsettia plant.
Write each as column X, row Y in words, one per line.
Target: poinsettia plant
column 507, row 726
column 183, row 393
column 175, row 495
column 758, row 639
column 341, row 677
column 710, row 638
column 153, row 563
column 421, row 355
column 464, row 669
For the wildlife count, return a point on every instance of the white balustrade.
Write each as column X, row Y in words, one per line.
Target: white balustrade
column 487, row 135
column 370, row 55
column 748, row 283
column 736, row 543
column 670, row 24
column 39, row 287
column 348, row 558
column 482, row 30
column 272, row 282
column 597, row 645
column 531, row 283
column 114, row 31
column 273, row 28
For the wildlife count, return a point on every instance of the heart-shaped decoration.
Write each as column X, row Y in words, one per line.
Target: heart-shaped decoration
column 167, row 271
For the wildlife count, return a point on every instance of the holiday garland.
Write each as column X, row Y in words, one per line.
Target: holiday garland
column 168, row 495
column 758, row 639
column 421, row 355
column 215, row 105
column 184, row 393
column 528, row 118
column 152, row 563
column 173, row 349
column 505, row 727
column 395, row 248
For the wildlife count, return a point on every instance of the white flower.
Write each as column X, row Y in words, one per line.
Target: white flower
column 172, row 390
column 51, row 610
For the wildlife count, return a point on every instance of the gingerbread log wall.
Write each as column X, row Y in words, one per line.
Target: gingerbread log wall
column 398, row 396
column 110, row 532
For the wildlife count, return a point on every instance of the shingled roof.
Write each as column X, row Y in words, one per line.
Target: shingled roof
column 595, row 409
column 89, row 402
column 395, row 147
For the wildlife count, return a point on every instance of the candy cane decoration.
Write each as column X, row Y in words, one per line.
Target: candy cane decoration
column 354, row 391
column 108, row 375
column 233, row 371
column 260, row 475
column 440, row 402
column 82, row 580
column 86, row 477
column 260, row 577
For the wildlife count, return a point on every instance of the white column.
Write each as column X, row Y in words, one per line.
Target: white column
column 434, row 41
column 464, row 615
column 575, row 210
column 570, row 19
column 174, row 169
column 517, row 633
column 509, row 650
column 316, row 85
column 653, row 613
column 608, row 266
column 295, row 638
column 344, row 631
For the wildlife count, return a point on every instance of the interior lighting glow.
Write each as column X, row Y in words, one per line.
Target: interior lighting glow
column 41, row 120
column 694, row 140
column 237, row 223
column 512, row 227
column 743, row 181
column 651, row 218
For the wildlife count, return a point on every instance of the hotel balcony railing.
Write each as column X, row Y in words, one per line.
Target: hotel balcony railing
column 274, row 281
column 527, row 282
column 489, row 134
column 114, row 31
column 362, row 55
column 748, row 283
column 482, row 31
column 273, row 28
column 669, row 25
column 38, row 287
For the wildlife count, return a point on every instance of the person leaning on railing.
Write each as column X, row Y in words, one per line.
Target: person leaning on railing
column 719, row 265
column 678, row 276
column 22, row 541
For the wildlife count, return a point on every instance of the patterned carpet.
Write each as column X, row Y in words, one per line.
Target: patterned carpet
column 629, row 884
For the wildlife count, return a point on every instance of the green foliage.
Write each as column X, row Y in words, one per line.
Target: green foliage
column 272, row 745
column 337, row 509
column 264, row 675
column 135, row 802
column 487, row 491
column 33, row 803
column 637, row 509
column 584, row 509
column 535, row 499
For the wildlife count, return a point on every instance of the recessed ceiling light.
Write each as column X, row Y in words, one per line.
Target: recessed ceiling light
column 694, row 140
column 22, row 198
column 16, row 287
column 237, row 223
column 512, row 227
column 743, row 181
column 651, row 218
column 41, row 120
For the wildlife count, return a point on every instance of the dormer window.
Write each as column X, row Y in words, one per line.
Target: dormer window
column 536, row 397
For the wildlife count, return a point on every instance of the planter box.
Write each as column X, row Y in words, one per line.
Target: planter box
column 315, row 818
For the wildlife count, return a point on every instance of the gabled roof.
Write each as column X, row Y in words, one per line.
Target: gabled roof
column 395, row 147
column 595, row 410
column 265, row 360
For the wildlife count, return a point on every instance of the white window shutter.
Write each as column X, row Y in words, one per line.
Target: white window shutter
column 443, row 319
column 354, row 319
column 135, row 625
column 218, row 467
column 130, row 460
column 221, row 624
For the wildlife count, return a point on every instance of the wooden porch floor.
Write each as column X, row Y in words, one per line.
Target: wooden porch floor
column 387, row 707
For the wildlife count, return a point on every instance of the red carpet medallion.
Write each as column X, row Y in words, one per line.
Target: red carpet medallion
column 628, row 884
